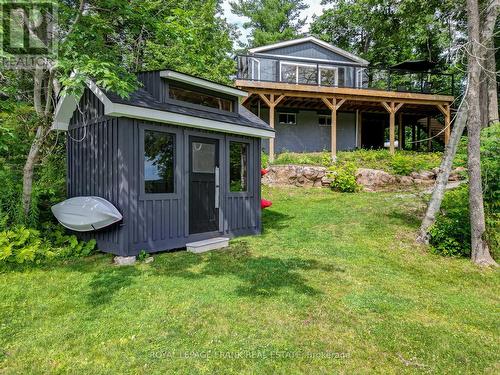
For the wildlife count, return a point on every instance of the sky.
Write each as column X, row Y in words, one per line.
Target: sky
column 315, row 8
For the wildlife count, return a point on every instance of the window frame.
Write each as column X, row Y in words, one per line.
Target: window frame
column 247, row 144
column 143, row 127
column 288, row 114
column 326, row 117
column 249, row 193
column 167, row 99
column 296, row 65
column 335, row 69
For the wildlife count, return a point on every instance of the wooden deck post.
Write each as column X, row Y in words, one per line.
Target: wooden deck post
column 392, row 108
column 400, row 131
column 271, row 102
column 429, row 134
column 445, row 110
column 333, row 105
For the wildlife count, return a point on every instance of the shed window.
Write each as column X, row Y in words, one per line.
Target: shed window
column 159, row 161
column 207, row 100
column 238, row 166
column 287, row 118
column 324, row 120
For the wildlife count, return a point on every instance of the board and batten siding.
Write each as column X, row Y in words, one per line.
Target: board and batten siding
column 105, row 159
column 307, row 50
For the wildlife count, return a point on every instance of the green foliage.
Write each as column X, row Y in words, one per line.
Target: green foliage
column 313, row 158
column 343, row 177
column 264, row 159
column 142, row 255
column 450, row 234
column 393, row 31
column 402, row 163
column 26, row 245
column 271, row 21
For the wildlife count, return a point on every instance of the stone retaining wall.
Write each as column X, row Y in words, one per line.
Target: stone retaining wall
column 370, row 179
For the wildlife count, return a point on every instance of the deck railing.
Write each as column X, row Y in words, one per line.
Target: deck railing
column 307, row 72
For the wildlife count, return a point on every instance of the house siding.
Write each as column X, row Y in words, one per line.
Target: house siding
column 307, row 50
column 308, row 136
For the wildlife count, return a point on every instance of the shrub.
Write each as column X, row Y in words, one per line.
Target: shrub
column 312, row 158
column 27, row 245
column 450, row 234
column 343, row 177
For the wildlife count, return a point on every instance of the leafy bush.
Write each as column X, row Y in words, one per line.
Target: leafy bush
column 26, row 245
column 450, row 234
column 312, row 158
column 343, row 177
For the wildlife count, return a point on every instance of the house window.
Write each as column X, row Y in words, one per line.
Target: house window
column 238, row 166
column 324, row 120
column 194, row 97
column 159, row 162
column 328, row 76
column 341, row 77
column 299, row 73
column 287, row 118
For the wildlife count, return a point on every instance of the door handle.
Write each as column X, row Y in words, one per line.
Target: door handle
column 217, row 187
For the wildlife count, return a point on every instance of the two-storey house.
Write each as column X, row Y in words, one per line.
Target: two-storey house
column 319, row 97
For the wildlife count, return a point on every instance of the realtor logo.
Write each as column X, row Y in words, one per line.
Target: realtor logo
column 28, row 30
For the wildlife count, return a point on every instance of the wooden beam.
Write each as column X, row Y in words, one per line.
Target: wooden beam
column 271, row 140
column 386, row 106
column 280, row 98
column 330, row 104
column 334, row 132
column 398, row 107
column 337, row 91
column 400, row 131
column 447, row 124
column 392, row 121
column 429, row 134
column 265, row 99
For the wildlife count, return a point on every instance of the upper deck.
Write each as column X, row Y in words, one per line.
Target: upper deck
column 260, row 71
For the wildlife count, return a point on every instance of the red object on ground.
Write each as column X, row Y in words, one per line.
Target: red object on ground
column 265, row 203
column 263, row 171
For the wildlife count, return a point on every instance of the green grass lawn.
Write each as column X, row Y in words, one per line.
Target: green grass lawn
column 334, row 285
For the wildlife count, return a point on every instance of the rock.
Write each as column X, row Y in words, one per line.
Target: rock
column 295, row 175
column 457, row 174
column 371, row 178
column 405, row 180
column 124, row 261
column 420, row 181
column 435, row 170
column 423, row 175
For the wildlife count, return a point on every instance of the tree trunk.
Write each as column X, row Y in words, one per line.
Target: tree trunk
column 479, row 248
column 492, row 93
column 29, row 168
column 443, row 174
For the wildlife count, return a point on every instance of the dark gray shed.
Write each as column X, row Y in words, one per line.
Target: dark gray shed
column 180, row 159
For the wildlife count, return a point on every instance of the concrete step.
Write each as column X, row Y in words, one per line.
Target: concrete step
column 207, row 245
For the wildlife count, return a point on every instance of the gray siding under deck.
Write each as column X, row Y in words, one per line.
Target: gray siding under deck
column 308, row 136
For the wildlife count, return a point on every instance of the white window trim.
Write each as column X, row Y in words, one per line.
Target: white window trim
column 288, row 114
column 359, row 77
column 255, row 62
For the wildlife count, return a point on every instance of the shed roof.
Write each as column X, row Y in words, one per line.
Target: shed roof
column 142, row 105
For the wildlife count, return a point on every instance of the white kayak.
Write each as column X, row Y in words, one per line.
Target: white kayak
column 84, row 214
